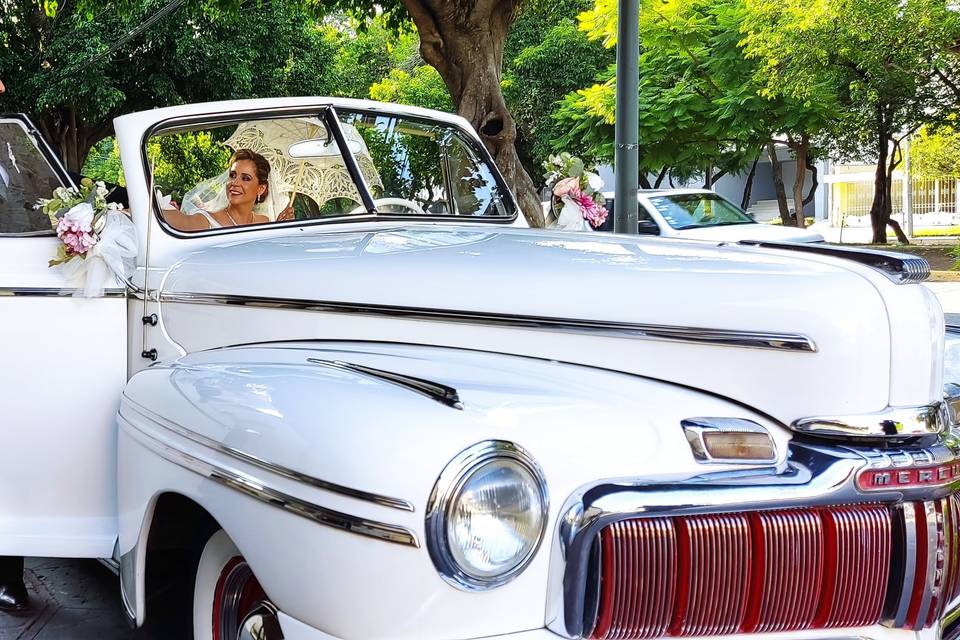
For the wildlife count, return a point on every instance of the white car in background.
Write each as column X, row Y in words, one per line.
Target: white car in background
column 701, row 214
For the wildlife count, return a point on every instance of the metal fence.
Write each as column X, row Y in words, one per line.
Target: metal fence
column 934, row 198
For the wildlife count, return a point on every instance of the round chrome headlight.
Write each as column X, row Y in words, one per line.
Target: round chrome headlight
column 487, row 515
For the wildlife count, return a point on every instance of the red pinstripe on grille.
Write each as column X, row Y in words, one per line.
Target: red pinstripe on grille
column 760, row 572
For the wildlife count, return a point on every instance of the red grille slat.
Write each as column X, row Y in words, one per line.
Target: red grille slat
column 637, row 588
column 858, row 550
column 794, row 566
column 759, row 572
column 718, row 545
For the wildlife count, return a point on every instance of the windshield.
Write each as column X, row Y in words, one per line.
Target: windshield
column 295, row 169
column 694, row 210
column 25, row 177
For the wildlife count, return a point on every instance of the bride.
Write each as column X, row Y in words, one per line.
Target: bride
column 241, row 196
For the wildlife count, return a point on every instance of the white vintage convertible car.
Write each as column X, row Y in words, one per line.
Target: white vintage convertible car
column 399, row 415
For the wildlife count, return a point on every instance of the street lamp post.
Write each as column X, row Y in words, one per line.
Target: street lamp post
column 626, row 162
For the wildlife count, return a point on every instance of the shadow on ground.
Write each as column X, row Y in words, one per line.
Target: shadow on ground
column 72, row 600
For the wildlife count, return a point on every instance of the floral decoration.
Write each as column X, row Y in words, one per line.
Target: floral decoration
column 576, row 191
column 96, row 237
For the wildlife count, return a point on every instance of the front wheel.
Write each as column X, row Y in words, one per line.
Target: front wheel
column 228, row 601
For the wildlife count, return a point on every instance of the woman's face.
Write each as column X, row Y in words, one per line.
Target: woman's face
column 243, row 187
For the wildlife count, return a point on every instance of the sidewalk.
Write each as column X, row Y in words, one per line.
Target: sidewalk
column 948, row 293
column 72, row 600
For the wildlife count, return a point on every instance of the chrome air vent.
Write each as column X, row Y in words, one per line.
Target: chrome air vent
column 901, row 268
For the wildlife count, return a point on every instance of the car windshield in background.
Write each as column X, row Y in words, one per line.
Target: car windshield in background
column 695, row 210
column 25, row 177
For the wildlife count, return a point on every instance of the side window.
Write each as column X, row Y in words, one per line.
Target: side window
column 424, row 167
column 25, row 177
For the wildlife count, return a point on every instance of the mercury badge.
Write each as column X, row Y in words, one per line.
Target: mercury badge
column 908, row 469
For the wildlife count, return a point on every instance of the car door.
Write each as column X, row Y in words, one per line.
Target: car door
column 63, row 368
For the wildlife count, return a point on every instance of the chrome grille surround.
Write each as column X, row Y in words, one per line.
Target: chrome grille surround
column 817, row 478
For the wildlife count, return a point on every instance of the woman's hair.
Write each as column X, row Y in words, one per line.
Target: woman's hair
column 262, row 165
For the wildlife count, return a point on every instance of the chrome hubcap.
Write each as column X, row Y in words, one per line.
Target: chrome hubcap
column 261, row 624
column 241, row 610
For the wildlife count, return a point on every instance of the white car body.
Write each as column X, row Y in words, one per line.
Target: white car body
column 732, row 233
column 269, row 408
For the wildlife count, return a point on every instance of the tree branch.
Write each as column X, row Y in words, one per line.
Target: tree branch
column 431, row 42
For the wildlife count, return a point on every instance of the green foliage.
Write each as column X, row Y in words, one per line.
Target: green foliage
column 103, row 163
column 422, row 88
column 182, row 161
column 535, row 83
column 699, row 106
column 936, row 154
column 877, row 59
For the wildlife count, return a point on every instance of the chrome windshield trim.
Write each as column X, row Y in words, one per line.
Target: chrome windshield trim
column 894, row 422
column 433, row 390
column 899, row 268
column 259, row 490
column 53, row 292
column 816, row 476
column 358, row 494
column 694, row 335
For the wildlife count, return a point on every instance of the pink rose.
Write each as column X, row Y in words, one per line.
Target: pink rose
column 565, row 186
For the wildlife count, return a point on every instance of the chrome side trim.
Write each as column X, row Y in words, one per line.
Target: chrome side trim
column 930, row 514
column 433, row 390
column 53, row 292
column 895, row 422
column 257, row 489
column 910, row 516
column 366, row 496
column 900, row 268
column 694, row 335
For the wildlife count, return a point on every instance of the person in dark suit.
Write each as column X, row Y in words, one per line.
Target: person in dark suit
column 13, row 591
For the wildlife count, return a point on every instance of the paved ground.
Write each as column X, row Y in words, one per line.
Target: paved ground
column 949, row 295
column 72, row 600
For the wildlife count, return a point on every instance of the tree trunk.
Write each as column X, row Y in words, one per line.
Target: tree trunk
column 878, row 210
column 70, row 138
column 463, row 40
column 748, row 188
column 778, row 184
column 660, row 177
column 643, row 180
column 801, row 149
column 888, row 208
column 814, row 181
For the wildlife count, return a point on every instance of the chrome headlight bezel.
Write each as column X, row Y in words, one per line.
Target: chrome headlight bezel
column 448, row 487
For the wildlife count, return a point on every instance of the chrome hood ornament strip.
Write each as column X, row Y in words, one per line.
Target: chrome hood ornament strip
column 433, row 390
column 901, row 268
column 696, row 335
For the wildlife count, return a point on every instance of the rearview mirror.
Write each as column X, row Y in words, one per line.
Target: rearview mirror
column 320, row 148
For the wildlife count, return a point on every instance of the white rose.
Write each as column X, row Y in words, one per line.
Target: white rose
column 595, row 182
column 80, row 216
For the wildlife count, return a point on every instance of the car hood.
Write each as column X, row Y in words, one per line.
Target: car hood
column 752, row 231
column 587, row 298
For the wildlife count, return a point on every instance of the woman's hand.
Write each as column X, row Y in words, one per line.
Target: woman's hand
column 286, row 214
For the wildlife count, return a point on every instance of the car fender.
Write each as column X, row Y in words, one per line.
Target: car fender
column 362, row 431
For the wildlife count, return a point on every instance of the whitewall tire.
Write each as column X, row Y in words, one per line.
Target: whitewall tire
column 228, row 601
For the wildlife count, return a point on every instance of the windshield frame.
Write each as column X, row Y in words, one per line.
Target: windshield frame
column 704, row 195
column 329, row 113
column 49, row 156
